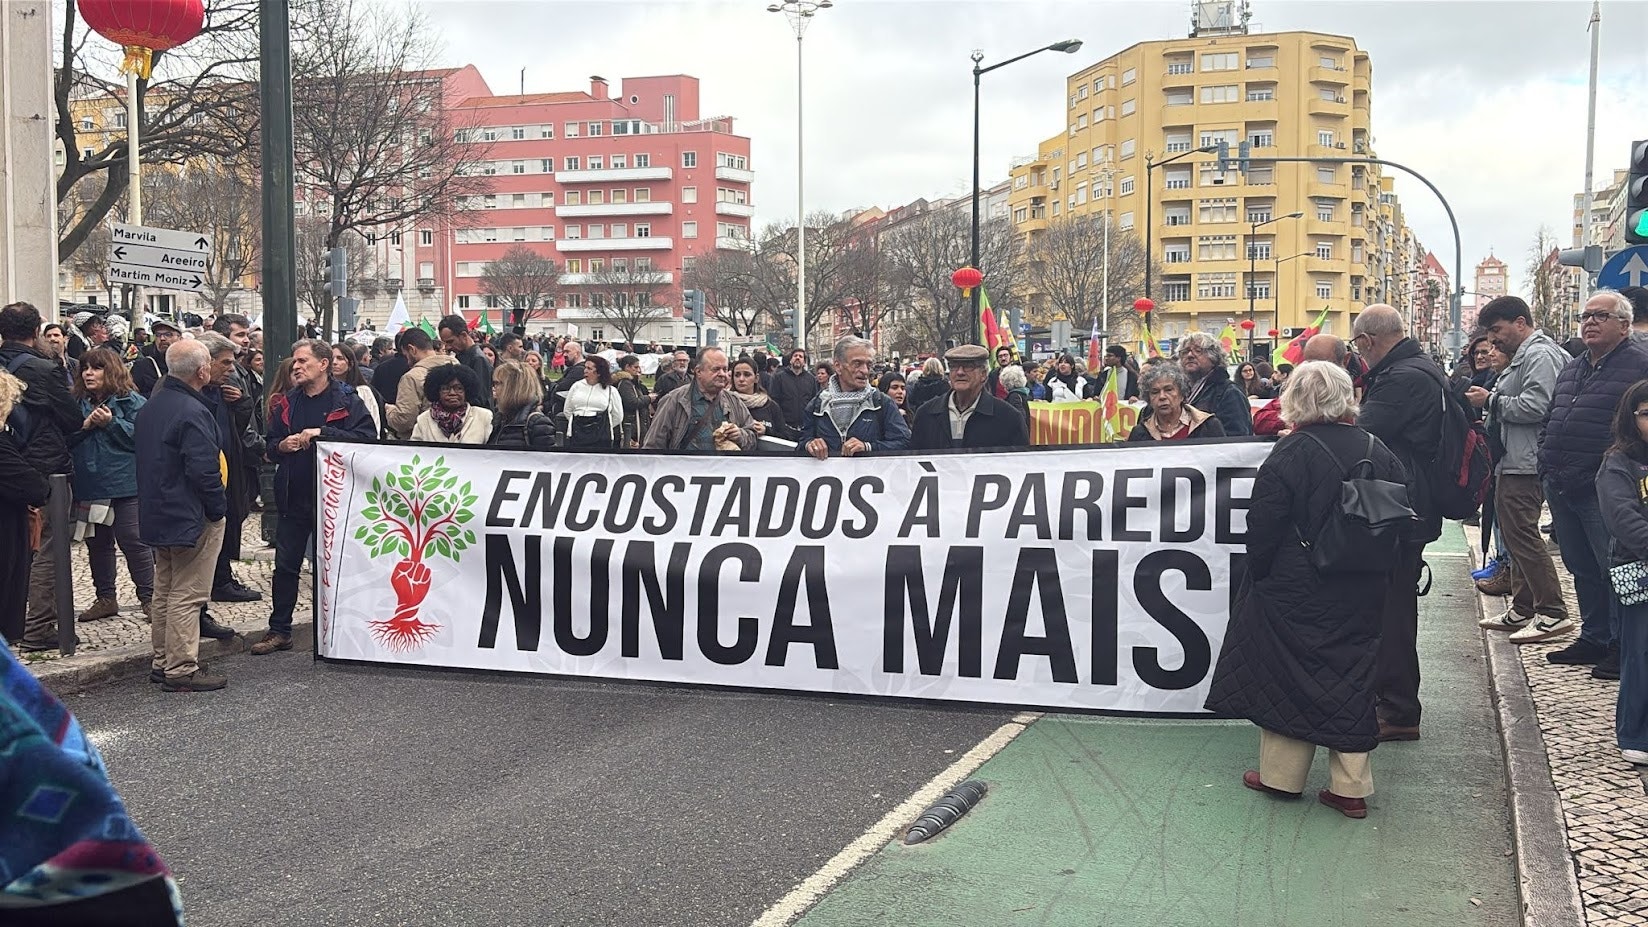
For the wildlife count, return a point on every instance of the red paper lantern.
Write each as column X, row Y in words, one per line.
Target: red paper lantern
column 1143, row 304
column 1247, row 325
column 143, row 27
column 967, row 278
column 1273, row 333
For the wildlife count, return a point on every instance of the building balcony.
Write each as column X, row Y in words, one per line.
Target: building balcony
column 638, row 277
column 735, row 209
column 1333, row 108
column 610, row 174
column 1336, row 150
column 1335, row 76
column 615, row 209
column 1317, row 189
column 426, row 283
column 729, row 243
column 1315, row 226
column 734, row 174
column 650, row 243
column 1316, row 265
column 1261, row 111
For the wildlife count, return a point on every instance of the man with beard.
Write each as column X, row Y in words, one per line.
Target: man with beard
column 793, row 386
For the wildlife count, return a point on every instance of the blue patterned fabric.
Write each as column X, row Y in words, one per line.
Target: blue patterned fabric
column 68, row 850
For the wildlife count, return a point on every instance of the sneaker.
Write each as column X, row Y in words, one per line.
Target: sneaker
column 1497, row 585
column 197, row 681
column 236, row 592
column 1607, row 667
column 104, row 607
column 1543, row 628
column 1579, row 653
column 271, row 642
column 1634, row 757
column 1490, row 569
column 1508, row 620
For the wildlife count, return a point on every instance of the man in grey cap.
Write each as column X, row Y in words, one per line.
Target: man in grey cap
column 968, row 416
column 150, row 366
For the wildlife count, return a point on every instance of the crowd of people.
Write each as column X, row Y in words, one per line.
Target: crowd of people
column 1313, row 656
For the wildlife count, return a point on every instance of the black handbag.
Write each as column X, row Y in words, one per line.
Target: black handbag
column 591, row 431
column 1365, row 530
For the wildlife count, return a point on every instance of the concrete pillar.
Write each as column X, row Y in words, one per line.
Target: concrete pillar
column 28, row 176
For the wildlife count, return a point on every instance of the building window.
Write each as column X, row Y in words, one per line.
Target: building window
column 575, row 231
column 1178, row 253
column 1179, row 66
column 1176, row 290
column 546, row 131
column 595, row 197
column 1258, row 214
column 1222, row 61
column 1261, row 61
column 1260, row 94
column 1324, row 250
column 1020, row 215
column 575, row 266
column 643, row 230
column 1129, row 76
column 574, row 197
column 569, row 130
column 1215, row 286
column 619, row 162
column 1181, row 97
column 1330, row 63
column 1220, row 210
column 597, row 163
column 1258, row 289
column 1081, row 92
column 1178, row 178
column 1324, row 137
column 426, row 237
column 516, row 133
column 1127, row 186
column 1215, row 136
column 1128, row 148
column 1324, row 210
column 736, row 162
column 1324, row 289
column 643, row 160
column 463, row 302
column 1178, row 141
column 518, row 201
column 1259, row 251
column 1081, row 122
column 619, row 230
column 689, row 194
column 597, row 230
column 572, row 164
column 1329, row 94
column 642, row 195
column 1216, row 248
column 1129, row 107
column 1178, row 215
column 689, row 230
column 547, row 199
column 394, row 238
column 1222, row 93
column 518, row 234
column 619, row 195
column 1125, row 222
column 1261, row 176
column 1325, row 174
column 1098, row 115
column 689, row 159
column 546, row 165
column 596, row 128
column 1263, row 138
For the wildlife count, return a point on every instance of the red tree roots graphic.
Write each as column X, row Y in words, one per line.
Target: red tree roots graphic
column 416, row 513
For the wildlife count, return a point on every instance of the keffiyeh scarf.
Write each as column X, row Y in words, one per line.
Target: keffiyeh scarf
column 843, row 406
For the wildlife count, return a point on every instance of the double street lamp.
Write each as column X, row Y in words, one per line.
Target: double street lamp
column 800, row 13
column 1253, row 270
column 1069, row 47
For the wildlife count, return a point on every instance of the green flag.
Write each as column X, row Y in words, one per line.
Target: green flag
column 427, row 328
column 486, row 323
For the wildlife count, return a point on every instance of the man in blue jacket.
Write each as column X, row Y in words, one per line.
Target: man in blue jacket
column 316, row 406
column 851, row 417
column 180, row 513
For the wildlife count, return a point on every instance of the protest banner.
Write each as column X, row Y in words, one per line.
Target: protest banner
column 1080, row 578
column 1080, row 421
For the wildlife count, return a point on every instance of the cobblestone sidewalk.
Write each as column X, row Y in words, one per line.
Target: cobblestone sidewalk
column 1604, row 799
column 129, row 627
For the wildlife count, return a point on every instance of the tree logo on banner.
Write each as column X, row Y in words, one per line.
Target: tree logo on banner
column 414, row 513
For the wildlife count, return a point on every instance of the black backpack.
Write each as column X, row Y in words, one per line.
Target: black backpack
column 1460, row 472
column 1365, row 531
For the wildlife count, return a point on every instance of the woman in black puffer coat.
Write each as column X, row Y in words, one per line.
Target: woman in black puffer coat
column 517, row 397
column 1298, row 656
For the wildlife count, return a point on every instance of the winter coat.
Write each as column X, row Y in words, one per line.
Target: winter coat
column 105, row 459
column 1402, row 406
column 880, row 424
column 590, row 401
column 148, row 369
column 53, row 414
column 1019, row 401
column 482, row 368
column 1298, row 655
column 295, row 471
column 1621, row 494
column 1129, row 381
column 528, row 429
column 667, row 382
column 476, row 429
column 637, row 408
column 765, row 409
column 1581, row 424
column 21, row 486
column 1522, row 399
column 1060, row 391
column 793, row 392
column 1217, row 394
column 179, row 466
column 675, row 416
column 409, row 398
column 992, row 424
column 1202, row 425
column 232, row 419
column 924, row 389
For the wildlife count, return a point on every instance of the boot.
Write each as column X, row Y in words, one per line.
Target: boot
column 210, row 628
column 100, row 609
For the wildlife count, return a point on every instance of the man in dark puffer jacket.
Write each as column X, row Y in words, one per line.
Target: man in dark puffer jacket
column 1570, row 452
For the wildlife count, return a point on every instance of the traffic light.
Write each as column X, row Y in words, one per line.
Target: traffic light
column 1242, row 153
column 1589, row 258
column 1636, row 195
column 788, row 317
column 348, row 313
column 1224, row 157
column 337, row 272
column 693, row 302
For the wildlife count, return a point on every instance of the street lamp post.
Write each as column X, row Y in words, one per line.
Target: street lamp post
column 1253, row 269
column 1276, row 286
column 1106, row 215
column 1149, row 204
column 800, row 13
column 1069, row 47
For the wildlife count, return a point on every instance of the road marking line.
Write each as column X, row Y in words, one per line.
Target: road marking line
column 805, row 895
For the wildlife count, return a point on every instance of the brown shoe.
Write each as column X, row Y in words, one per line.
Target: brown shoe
column 1251, row 780
column 198, row 681
column 102, row 608
column 1498, row 584
column 1349, row 807
column 270, row 643
column 1390, row 732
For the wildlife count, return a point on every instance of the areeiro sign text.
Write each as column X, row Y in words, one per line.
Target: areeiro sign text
column 1080, row 578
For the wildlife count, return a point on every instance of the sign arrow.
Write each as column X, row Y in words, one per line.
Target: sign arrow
column 120, row 253
column 195, row 282
column 1635, row 269
column 202, row 243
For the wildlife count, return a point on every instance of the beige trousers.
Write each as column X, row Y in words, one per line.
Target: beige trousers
column 1284, row 763
column 182, row 584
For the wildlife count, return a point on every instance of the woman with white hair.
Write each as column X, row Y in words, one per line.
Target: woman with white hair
column 1017, row 386
column 1163, row 386
column 1298, row 655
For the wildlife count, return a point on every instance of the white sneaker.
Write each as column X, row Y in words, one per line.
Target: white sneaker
column 1508, row 620
column 1543, row 629
column 1635, row 757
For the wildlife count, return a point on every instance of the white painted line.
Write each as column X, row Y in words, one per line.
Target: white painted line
column 805, row 895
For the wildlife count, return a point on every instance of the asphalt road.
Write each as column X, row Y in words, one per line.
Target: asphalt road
column 320, row 794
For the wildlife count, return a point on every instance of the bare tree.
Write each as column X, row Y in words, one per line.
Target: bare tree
column 312, row 235
column 524, row 281
column 377, row 147
column 921, row 255
column 627, row 298
column 736, row 284
column 222, row 200
column 830, row 246
column 1543, row 287
column 867, row 292
column 1065, row 266
column 200, row 101
column 91, row 257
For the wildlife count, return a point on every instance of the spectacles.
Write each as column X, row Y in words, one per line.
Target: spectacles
column 1596, row 317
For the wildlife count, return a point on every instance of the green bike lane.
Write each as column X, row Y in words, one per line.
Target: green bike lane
column 1110, row 821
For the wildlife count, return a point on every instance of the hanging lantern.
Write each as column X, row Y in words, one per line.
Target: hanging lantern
column 1273, row 333
column 1143, row 305
column 1247, row 325
column 144, row 27
column 967, row 278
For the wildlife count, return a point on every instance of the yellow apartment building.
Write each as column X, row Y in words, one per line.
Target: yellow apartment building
column 1290, row 94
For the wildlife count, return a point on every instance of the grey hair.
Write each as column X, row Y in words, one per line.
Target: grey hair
column 318, row 349
column 215, row 343
column 186, row 358
column 1379, row 319
column 850, row 343
column 703, row 356
column 1012, row 377
column 1152, row 374
column 1622, row 308
column 1318, row 392
column 1207, row 344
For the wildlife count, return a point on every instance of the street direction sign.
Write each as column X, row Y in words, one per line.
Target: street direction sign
column 164, row 258
column 1627, row 268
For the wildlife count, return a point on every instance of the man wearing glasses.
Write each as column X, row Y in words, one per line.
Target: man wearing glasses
column 968, row 416
column 1588, row 390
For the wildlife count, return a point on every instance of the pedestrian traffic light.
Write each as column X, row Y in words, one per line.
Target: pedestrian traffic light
column 693, row 302
column 1636, row 195
column 337, row 272
column 1224, row 157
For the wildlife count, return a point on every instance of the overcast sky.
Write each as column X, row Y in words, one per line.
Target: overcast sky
column 1485, row 98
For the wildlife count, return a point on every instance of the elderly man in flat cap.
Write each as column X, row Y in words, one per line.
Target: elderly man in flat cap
column 968, row 416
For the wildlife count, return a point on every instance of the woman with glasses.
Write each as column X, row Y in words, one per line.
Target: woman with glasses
column 455, row 414
column 1163, row 385
column 746, row 385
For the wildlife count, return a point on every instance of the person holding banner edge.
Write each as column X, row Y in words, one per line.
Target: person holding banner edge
column 850, row 416
column 1171, row 418
column 702, row 414
column 968, row 416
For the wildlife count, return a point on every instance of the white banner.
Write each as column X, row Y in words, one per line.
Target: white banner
column 1068, row 579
